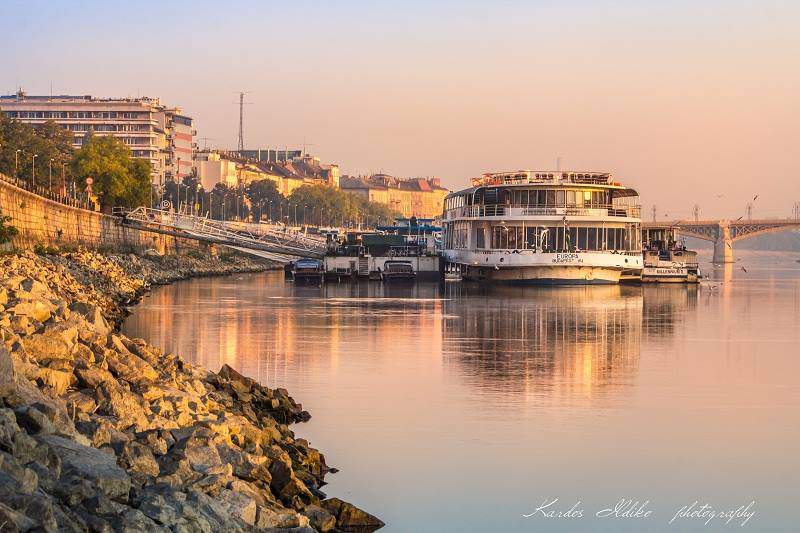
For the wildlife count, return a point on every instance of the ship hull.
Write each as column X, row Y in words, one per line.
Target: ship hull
column 580, row 268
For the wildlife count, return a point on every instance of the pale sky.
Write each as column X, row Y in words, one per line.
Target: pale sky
column 683, row 100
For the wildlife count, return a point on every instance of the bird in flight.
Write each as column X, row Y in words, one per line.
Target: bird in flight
column 740, row 218
column 755, row 197
column 744, row 269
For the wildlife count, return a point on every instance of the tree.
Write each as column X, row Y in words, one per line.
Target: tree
column 118, row 179
column 327, row 206
column 262, row 195
column 47, row 142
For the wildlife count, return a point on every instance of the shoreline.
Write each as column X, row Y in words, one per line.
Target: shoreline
column 101, row 432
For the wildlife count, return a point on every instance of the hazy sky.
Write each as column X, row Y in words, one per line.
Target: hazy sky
column 684, row 100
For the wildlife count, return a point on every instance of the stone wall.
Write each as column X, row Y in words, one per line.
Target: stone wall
column 50, row 223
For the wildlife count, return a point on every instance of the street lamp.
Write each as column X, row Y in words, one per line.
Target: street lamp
column 33, row 169
column 16, row 162
column 50, row 175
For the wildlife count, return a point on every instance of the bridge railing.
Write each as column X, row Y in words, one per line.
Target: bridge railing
column 288, row 242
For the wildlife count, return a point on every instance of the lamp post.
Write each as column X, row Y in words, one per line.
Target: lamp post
column 50, row 175
column 16, row 162
column 33, row 169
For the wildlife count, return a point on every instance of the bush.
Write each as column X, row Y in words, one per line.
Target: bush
column 7, row 231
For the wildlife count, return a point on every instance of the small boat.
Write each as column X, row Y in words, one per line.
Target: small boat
column 398, row 271
column 339, row 273
column 308, row 271
column 665, row 259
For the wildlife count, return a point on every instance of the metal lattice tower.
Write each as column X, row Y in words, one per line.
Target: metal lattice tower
column 241, row 122
column 696, row 211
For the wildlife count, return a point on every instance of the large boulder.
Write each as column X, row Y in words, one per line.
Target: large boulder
column 7, row 385
column 36, row 310
column 351, row 518
column 85, row 462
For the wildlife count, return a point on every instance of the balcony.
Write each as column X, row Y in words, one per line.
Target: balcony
column 518, row 210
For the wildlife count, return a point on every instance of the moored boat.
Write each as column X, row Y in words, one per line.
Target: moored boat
column 308, row 271
column 398, row 271
column 549, row 227
column 666, row 260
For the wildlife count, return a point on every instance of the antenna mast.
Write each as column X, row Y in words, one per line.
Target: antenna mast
column 241, row 122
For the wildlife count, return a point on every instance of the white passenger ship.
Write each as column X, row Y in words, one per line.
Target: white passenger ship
column 544, row 227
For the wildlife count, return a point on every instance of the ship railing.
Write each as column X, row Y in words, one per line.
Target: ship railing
column 500, row 210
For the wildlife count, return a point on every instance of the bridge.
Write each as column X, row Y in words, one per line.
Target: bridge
column 723, row 233
column 263, row 240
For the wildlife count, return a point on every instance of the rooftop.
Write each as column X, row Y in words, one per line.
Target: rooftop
column 543, row 176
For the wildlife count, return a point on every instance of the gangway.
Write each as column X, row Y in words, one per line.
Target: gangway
column 277, row 243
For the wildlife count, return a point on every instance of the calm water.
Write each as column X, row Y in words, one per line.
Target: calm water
column 461, row 409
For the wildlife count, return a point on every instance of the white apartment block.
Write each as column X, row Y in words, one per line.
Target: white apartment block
column 164, row 136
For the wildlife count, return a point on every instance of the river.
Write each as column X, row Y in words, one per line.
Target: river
column 462, row 408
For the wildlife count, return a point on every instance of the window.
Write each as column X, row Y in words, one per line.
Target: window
column 582, row 238
column 480, row 238
column 560, row 198
column 592, row 240
column 570, row 198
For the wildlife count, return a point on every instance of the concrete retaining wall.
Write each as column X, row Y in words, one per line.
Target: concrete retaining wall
column 50, row 223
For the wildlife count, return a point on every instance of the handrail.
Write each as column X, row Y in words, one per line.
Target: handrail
column 44, row 192
column 288, row 242
column 544, row 210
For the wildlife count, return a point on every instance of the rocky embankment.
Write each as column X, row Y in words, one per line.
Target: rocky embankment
column 100, row 432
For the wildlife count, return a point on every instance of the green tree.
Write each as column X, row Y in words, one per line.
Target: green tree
column 118, row 179
column 263, row 194
column 49, row 142
column 327, row 206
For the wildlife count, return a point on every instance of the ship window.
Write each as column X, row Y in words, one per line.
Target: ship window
column 551, row 198
column 512, row 237
column 582, row 238
column 570, row 198
column 480, row 238
column 572, row 238
column 551, row 238
column 560, row 198
column 592, row 240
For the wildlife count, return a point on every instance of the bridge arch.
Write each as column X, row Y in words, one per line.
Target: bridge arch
column 723, row 233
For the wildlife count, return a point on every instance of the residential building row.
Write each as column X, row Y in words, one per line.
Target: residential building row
column 163, row 135
column 234, row 170
column 421, row 197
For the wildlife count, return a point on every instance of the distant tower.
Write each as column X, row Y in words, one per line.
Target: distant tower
column 696, row 212
column 241, row 122
column 749, row 210
column 796, row 210
column 655, row 212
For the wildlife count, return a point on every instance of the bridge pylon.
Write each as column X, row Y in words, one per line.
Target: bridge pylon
column 723, row 245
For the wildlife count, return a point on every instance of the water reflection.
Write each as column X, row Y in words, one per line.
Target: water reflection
column 566, row 343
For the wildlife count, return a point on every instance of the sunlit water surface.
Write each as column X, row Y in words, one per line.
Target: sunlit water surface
column 461, row 408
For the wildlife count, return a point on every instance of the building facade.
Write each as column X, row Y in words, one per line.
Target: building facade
column 420, row 197
column 164, row 136
column 232, row 170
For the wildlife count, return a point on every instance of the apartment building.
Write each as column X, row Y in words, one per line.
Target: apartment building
column 420, row 197
column 164, row 136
